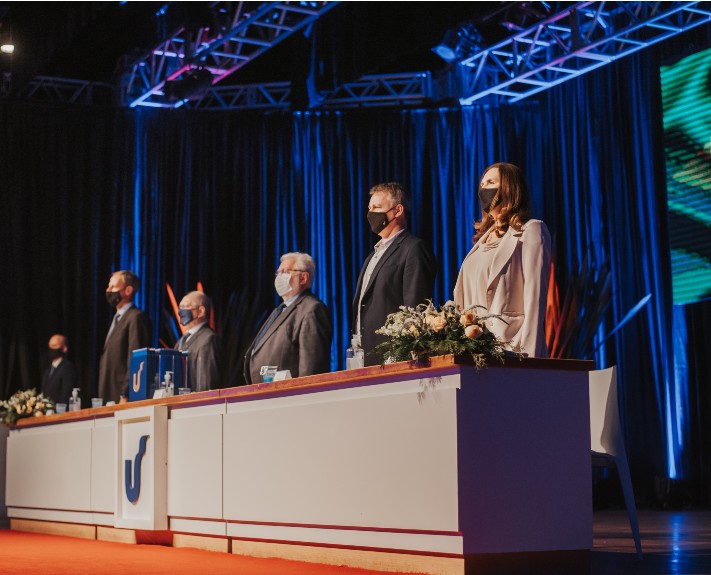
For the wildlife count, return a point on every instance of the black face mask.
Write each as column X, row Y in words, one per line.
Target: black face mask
column 379, row 220
column 486, row 196
column 54, row 353
column 113, row 297
column 186, row 316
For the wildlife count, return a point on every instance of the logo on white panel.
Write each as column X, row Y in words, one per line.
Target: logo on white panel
column 132, row 472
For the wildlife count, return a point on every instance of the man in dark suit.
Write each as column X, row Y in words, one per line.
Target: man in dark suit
column 130, row 330
column 400, row 271
column 297, row 335
column 61, row 376
column 206, row 355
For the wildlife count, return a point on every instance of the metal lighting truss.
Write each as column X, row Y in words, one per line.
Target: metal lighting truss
column 254, row 28
column 66, row 91
column 368, row 91
column 574, row 41
column 271, row 96
column 382, row 90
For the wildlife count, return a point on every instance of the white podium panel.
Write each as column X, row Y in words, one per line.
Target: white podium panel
column 377, row 456
column 195, row 463
column 103, row 478
column 140, row 468
column 525, row 481
column 49, row 467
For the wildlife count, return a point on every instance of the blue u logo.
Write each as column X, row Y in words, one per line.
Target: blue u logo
column 133, row 484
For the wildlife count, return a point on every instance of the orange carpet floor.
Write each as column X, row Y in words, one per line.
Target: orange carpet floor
column 34, row 554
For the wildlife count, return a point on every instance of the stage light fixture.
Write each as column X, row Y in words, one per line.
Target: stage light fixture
column 459, row 43
column 7, row 46
column 447, row 48
column 193, row 85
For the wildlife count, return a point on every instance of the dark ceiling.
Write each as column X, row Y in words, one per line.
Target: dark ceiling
column 96, row 40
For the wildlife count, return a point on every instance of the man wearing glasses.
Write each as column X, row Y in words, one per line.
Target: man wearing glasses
column 297, row 335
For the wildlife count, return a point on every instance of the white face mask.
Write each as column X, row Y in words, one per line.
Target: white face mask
column 282, row 284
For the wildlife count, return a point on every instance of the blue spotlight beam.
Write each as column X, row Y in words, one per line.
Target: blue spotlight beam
column 573, row 42
column 254, row 27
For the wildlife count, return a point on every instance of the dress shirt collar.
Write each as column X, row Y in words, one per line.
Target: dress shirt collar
column 293, row 298
column 383, row 244
column 195, row 329
column 123, row 310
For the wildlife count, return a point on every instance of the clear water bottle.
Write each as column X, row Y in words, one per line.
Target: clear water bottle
column 354, row 354
column 75, row 400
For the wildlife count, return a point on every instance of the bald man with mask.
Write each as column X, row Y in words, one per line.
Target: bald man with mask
column 61, row 376
column 206, row 355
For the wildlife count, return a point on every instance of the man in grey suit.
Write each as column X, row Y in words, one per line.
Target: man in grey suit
column 297, row 335
column 400, row 271
column 130, row 329
column 206, row 355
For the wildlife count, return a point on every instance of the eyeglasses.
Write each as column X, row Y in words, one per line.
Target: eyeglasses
column 276, row 273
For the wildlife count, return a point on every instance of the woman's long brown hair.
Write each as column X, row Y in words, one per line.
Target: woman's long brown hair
column 514, row 202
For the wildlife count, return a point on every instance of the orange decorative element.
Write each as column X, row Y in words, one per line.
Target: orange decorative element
column 552, row 311
column 174, row 305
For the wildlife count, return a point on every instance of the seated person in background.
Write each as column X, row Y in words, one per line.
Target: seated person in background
column 297, row 335
column 61, row 376
column 206, row 354
column 507, row 270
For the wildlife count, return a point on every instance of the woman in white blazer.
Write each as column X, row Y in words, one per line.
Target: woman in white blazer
column 507, row 270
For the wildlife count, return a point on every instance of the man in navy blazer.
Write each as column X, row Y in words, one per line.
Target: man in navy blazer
column 297, row 335
column 400, row 271
column 130, row 330
column 61, row 376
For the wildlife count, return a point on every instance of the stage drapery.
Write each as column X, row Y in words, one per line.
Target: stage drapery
column 186, row 196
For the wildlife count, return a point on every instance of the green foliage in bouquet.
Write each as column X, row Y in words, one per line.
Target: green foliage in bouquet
column 425, row 331
column 24, row 403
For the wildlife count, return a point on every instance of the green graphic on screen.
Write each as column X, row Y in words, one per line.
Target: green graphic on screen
column 686, row 94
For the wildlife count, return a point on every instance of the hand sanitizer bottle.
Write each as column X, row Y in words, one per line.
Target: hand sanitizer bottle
column 354, row 354
column 75, row 400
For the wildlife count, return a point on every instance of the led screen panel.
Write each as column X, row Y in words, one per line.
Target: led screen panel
column 686, row 94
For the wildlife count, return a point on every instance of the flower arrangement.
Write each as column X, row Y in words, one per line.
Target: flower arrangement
column 424, row 331
column 24, row 403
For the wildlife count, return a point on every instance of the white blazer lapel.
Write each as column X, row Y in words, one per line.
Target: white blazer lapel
column 503, row 255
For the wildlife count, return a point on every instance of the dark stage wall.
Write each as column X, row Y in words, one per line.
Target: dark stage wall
column 216, row 197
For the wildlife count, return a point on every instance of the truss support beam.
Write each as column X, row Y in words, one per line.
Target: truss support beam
column 67, row 91
column 272, row 96
column 382, row 90
column 253, row 28
column 413, row 88
column 574, row 41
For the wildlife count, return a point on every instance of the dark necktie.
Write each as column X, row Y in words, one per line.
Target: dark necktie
column 267, row 324
column 116, row 319
column 184, row 341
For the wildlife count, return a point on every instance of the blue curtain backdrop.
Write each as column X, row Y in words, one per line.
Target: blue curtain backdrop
column 216, row 197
